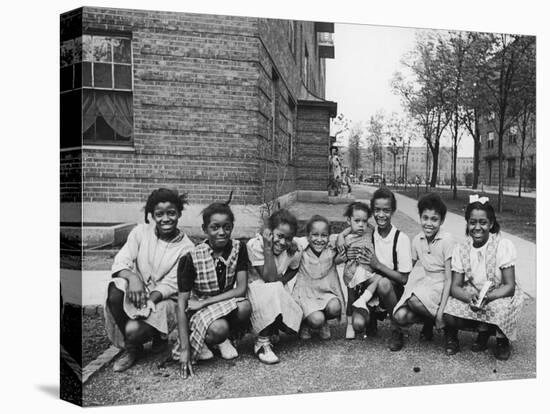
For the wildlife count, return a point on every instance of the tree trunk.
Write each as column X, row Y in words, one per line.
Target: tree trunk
column 500, row 171
column 435, row 160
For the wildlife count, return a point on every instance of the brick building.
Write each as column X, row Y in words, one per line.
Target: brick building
column 511, row 151
column 202, row 103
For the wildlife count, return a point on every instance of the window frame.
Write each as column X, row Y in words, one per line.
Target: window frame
column 111, row 35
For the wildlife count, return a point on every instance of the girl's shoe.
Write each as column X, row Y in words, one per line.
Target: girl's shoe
column 480, row 343
column 305, row 332
column 127, row 359
column 350, row 332
column 159, row 344
column 227, row 350
column 275, row 338
column 397, row 341
column 502, row 349
column 264, row 351
column 324, row 332
column 205, row 354
column 451, row 342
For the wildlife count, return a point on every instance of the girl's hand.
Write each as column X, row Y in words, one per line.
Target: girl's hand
column 341, row 253
column 186, row 369
column 475, row 308
column 267, row 237
column 439, row 322
column 195, row 304
column 137, row 292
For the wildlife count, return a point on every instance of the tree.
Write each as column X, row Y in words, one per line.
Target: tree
column 354, row 148
column 395, row 130
column 498, row 66
column 424, row 94
column 526, row 108
column 375, row 138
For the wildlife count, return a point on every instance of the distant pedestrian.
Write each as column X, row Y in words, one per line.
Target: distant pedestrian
column 485, row 259
column 141, row 297
column 317, row 287
column 274, row 261
column 212, row 282
column 429, row 283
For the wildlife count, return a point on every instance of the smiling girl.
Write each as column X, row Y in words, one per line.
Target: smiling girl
column 141, row 297
column 484, row 257
column 317, row 287
column 274, row 261
column 427, row 289
column 212, row 282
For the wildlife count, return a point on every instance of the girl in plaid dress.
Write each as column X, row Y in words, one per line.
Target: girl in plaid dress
column 212, row 282
column 141, row 298
column 484, row 256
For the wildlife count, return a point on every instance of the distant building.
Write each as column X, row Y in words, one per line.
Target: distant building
column 203, row 103
column 511, row 145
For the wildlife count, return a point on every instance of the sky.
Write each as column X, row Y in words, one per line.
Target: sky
column 358, row 78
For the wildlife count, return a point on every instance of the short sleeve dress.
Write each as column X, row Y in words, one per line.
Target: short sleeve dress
column 155, row 261
column 427, row 277
column 478, row 266
column 317, row 281
column 271, row 300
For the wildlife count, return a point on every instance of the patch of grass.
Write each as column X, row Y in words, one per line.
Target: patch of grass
column 518, row 216
column 94, row 337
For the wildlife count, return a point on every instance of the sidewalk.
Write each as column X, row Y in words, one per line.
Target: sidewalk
column 526, row 263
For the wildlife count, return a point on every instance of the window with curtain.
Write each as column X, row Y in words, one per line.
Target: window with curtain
column 96, row 91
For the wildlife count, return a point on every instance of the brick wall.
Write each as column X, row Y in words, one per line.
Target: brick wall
column 208, row 116
column 312, row 148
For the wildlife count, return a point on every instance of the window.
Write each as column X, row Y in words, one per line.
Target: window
column 491, row 140
column 511, row 173
column 513, row 135
column 96, row 89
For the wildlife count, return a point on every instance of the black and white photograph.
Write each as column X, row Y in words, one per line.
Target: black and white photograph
column 255, row 206
column 292, row 206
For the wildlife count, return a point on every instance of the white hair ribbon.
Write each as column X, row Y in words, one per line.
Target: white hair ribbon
column 476, row 197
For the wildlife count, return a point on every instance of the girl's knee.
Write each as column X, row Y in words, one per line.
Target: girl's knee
column 244, row 310
column 359, row 322
column 333, row 309
column 115, row 296
column 384, row 286
column 217, row 332
column 316, row 319
column 134, row 332
column 401, row 316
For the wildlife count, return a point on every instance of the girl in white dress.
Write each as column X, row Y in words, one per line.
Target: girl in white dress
column 274, row 261
column 141, row 298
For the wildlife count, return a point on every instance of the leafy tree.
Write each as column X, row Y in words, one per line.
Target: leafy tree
column 424, row 93
column 499, row 63
column 375, row 138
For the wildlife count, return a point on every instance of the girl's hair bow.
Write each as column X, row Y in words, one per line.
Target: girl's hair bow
column 476, row 198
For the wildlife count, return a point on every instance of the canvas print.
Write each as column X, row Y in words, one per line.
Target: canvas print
column 254, row 206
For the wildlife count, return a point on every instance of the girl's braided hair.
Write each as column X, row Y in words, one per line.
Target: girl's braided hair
column 218, row 208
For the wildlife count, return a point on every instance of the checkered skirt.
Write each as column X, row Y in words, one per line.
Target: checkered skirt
column 206, row 284
column 503, row 312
